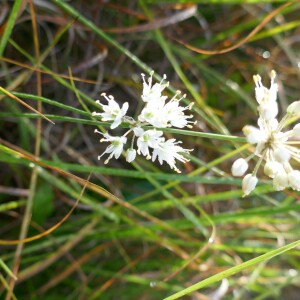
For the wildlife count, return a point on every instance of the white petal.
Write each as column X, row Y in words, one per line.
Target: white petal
column 268, row 110
column 254, row 135
column 115, row 123
column 124, row 108
column 138, row 131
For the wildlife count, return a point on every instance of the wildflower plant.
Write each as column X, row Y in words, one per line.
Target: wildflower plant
column 273, row 146
column 158, row 113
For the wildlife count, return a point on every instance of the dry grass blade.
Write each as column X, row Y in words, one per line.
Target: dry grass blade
column 96, row 188
column 243, row 40
column 52, row 228
column 13, row 97
column 36, row 69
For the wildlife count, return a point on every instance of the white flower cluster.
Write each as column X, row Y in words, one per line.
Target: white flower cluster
column 158, row 113
column 272, row 145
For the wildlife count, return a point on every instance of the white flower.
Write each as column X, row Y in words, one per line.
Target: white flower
column 150, row 138
column 239, row 167
column 112, row 111
column 130, row 155
column 156, row 112
column 249, row 183
column 174, row 115
column 115, row 148
column 153, row 114
column 168, row 151
column 266, row 98
column 152, row 93
column 277, row 148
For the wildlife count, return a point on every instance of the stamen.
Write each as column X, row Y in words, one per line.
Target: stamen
column 191, row 105
column 273, row 76
column 257, row 80
column 97, row 131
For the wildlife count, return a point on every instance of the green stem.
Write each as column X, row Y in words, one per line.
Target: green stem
column 233, row 270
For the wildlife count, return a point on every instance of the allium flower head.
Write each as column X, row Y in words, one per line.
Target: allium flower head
column 158, row 113
column 277, row 148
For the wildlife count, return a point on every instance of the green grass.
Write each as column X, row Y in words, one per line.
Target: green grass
column 140, row 230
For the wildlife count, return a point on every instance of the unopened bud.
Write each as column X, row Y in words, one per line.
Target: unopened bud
column 239, row 167
column 272, row 168
column 280, row 181
column 294, row 180
column 296, row 131
column 249, row 183
column 282, row 155
column 294, row 108
column 130, row 155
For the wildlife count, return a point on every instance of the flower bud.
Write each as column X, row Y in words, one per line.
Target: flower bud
column 130, row 155
column 272, row 168
column 294, row 180
column 239, row 167
column 296, row 131
column 249, row 183
column 282, row 155
column 280, row 181
column 294, row 108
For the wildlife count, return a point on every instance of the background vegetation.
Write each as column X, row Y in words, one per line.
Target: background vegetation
column 140, row 231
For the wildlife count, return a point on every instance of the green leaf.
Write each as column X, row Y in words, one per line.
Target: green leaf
column 43, row 203
column 234, row 270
